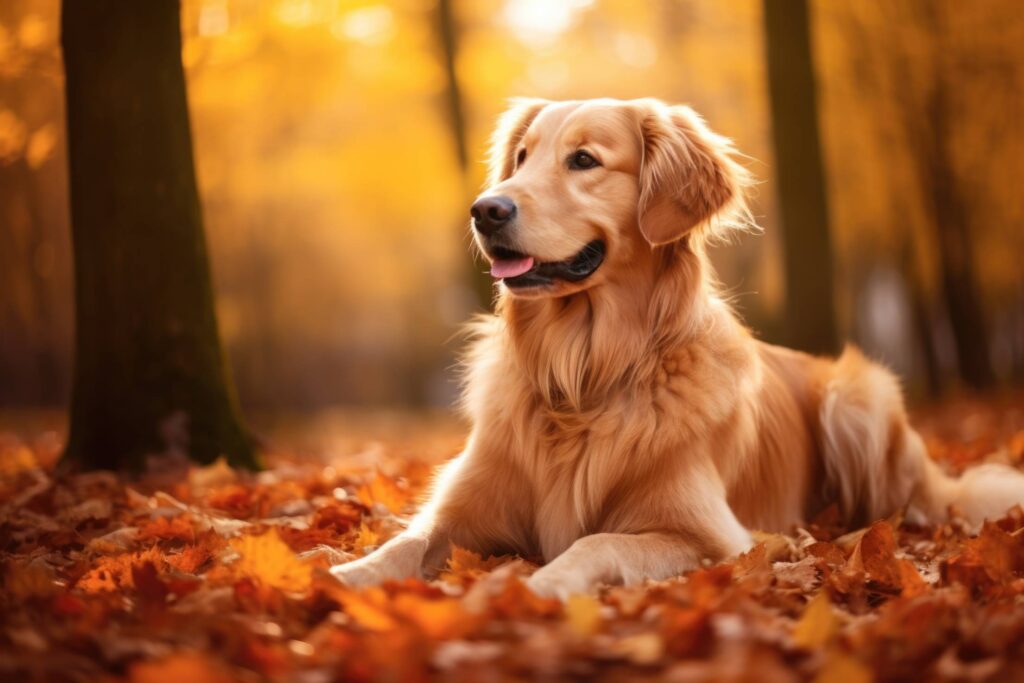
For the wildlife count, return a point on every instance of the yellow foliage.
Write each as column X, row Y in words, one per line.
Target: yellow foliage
column 267, row 558
column 366, row 538
column 384, row 490
column 818, row 624
column 583, row 613
column 465, row 563
column 439, row 618
column 368, row 608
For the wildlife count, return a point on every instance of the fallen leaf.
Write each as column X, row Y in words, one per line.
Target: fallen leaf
column 583, row 612
column 269, row 559
column 384, row 490
column 841, row 668
column 190, row 667
column 818, row 624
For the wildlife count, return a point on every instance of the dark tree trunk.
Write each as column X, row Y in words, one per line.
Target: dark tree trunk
column 950, row 218
column 956, row 261
column 934, row 165
column 448, row 35
column 807, row 245
column 921, row 320
column 149, row 374
column 448, row 39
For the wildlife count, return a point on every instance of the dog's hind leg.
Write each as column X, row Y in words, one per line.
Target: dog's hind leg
column 877, row 464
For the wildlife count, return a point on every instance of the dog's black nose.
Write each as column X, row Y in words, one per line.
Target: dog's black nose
column 490, row 214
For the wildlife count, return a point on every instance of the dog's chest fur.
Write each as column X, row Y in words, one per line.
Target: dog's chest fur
column 589, row 448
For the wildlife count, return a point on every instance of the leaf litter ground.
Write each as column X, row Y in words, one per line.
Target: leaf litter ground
column 205, row 574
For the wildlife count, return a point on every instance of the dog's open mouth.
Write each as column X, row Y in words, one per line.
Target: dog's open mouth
column 520, row 270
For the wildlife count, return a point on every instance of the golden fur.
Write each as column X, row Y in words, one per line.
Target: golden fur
column 627, row 427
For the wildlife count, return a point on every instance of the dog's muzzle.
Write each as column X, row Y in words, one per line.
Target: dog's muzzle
column 578, row 268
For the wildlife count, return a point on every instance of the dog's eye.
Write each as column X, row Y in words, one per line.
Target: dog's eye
column 581, row 161
column 520, row 157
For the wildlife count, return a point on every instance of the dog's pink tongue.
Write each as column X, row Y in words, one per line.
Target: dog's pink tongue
column 511, row 267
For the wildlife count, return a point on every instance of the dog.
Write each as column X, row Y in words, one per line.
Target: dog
column 626, row 425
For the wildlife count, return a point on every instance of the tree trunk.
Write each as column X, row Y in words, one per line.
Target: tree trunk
column 807, row 246
column 951, row 214
column 448, row 39
column 956, row 262
column 921, row 320
column 150, row 375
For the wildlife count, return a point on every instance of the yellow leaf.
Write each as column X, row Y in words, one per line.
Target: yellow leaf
column 464, row 562
column 583, row 613
column 366, row 537
column 267, row 558
column 368, row 609
column 383, row 490
column 817, row 625
column 440, row 619
column 840, row 668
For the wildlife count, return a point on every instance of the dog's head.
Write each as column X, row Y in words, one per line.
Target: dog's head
column 576, row 188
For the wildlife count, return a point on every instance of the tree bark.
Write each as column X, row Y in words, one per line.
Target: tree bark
column 448, row 40
column 806, row 240
column 951, row 213
column 955, row 250
column 150, row 374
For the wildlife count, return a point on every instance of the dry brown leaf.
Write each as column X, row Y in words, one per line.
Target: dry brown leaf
column 841, row 668
column 32, row 579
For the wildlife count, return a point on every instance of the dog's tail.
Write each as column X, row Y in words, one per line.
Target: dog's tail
column 983, row 492
column 876, row 464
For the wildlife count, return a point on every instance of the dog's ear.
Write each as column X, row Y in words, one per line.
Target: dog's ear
column 509, row 132
column 688, row 179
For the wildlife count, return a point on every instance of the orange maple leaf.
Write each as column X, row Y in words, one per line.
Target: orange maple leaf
column 268, row 558
column 465, row 564
column 384, row 490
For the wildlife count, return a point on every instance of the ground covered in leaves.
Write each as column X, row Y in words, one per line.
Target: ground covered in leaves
column 204, row 574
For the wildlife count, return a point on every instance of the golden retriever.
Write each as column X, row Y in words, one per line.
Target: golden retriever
column 626, row 425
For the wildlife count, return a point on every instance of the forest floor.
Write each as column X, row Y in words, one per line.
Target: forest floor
column 204, row 574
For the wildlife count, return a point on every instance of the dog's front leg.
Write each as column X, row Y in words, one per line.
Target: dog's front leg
column 422, row 546
column 401, row 557
column 631, row 558
column 478, row 502
column 613, row 559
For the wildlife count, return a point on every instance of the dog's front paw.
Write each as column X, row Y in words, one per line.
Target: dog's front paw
column 399, row 558
column 558, row 584
column 362, row 572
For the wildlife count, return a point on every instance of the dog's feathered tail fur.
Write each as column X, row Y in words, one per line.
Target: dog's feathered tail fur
column 874, row 461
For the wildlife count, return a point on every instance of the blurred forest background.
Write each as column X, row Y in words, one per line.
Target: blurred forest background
column 338, row 145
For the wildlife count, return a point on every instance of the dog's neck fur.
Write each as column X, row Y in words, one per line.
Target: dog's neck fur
column 577, row 349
